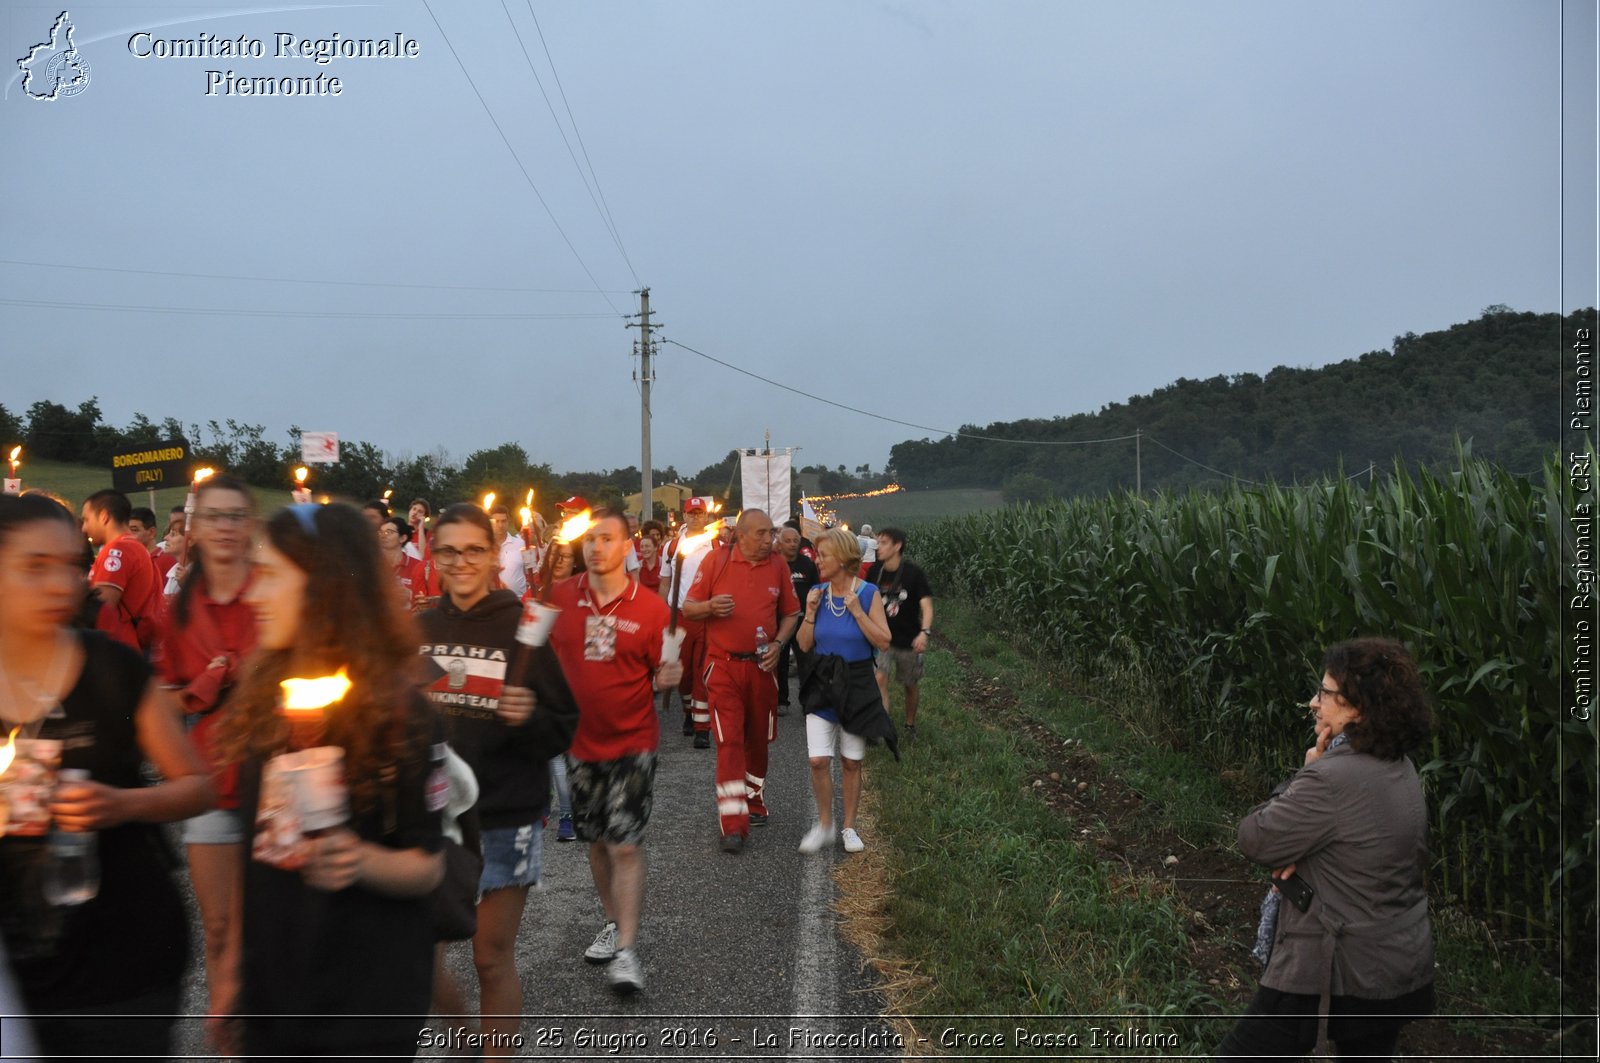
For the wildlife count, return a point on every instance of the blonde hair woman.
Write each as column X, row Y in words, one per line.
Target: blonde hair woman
column 844, row 623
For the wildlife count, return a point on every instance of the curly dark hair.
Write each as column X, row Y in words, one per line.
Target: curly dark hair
column 350, row 617
column 1379, row 678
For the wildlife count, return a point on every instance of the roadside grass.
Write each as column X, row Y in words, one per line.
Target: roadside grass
column 995, row 902
column 999, row 904
column 906, row 508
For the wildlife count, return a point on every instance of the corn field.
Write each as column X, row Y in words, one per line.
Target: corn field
column 1228, row 599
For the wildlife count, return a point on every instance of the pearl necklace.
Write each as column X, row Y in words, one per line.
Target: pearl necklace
column 844, row 603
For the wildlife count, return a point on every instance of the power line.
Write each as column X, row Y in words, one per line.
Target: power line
column 894, row 420
column 1191, row 461
column 302, row 280
column 604, row 212
column 517, row 158
column 218, row 311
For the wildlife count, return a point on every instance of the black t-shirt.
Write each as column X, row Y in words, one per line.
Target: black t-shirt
column 803, row 571
column 903, row 591
column 353, row 952
column 132, row 938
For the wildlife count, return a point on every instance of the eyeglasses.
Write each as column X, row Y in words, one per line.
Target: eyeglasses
column 449, row 555
column 1324, row 692
column 224, row 516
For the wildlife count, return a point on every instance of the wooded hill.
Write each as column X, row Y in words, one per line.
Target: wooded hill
column 1494, row 383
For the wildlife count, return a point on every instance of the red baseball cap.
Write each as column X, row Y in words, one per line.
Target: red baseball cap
column 695, row 504
column 575, row 502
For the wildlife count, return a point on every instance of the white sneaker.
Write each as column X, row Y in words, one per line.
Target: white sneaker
column 819, row 835
column 852, row 840
column 625, row 972
column 605, row 945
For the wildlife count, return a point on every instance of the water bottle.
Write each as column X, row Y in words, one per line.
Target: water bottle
column 761, row 642
column 73, row 873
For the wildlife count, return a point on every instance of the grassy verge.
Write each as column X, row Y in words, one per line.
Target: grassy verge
column 1005, row 902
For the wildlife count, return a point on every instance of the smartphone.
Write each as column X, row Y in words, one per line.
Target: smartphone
column 1297, row 889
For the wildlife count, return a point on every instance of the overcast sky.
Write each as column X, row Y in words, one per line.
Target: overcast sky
column 948, row 212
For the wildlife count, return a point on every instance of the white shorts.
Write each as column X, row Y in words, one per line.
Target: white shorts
column 823, row 737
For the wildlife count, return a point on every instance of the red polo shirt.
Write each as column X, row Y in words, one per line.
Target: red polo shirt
column 763, row 595
column 616, row 695
column 125, row 563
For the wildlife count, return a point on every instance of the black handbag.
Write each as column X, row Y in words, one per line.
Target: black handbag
column 454, row 902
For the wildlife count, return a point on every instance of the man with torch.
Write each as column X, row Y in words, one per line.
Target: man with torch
column 684, row 554
column 748, row 602
column 610, row 638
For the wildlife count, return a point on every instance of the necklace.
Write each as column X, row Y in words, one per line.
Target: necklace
column 844, row 603
column 589, row 597
column 39, row 699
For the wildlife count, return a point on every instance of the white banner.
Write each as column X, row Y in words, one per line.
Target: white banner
column 765, row 478
column 319, row 448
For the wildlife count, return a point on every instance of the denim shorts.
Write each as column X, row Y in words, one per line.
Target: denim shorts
column 512, row 856
column 220, row 826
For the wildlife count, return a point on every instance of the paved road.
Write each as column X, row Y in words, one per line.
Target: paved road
column 739, row 950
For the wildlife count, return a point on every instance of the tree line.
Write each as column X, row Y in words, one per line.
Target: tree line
column 1493, row 383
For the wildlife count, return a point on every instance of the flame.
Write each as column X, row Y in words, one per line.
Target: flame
column 529, row 500
column 573, row 528
column 314, row 695
column 527, row 516
column 300, row 475
column 203, row 474
column 691, row 543
column 9, row 751
column 15, row 453
column 488, row 500
column 387, row 492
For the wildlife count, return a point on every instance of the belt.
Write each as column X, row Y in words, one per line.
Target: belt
column 740, row 656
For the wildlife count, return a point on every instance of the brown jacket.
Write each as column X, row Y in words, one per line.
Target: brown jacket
column 1356, row 829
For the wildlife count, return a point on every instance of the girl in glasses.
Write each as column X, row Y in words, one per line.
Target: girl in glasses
column 507, row 711
column 207, row 632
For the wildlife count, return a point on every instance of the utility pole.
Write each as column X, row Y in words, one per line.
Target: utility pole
column 645, row 376
column 1138, row 461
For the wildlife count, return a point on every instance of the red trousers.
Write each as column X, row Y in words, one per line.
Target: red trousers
column 744, row 718
column 692, row 687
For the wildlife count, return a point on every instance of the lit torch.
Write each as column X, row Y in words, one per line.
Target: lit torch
column 304, row 704
column 201, row 475
column 7, row 754
column 572, row 530
column 687, row 546
column 14, row 482
column 526, row 513
column 488, row 500
column 300, row 492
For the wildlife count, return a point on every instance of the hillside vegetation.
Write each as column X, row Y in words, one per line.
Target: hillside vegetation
column 1493, row 382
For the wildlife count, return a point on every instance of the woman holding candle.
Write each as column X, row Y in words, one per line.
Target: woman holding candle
column 83, row 702
column 508, row 711
column 345, row 928
column 207, row 633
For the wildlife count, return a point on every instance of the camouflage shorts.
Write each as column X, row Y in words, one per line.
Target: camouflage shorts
column 611, row 799
column 906, row 665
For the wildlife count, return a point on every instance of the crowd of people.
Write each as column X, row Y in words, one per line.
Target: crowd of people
column 482, row 666
column 486, row 666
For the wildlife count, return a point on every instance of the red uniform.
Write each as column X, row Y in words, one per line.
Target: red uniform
column 125, row 563
column 215, row 629
column 609, row 654
column 743, row 697
column 408, row 573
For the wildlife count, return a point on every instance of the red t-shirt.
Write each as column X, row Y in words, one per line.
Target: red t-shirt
column 164, row 563
column 650, row 575
column 408, row 573
column 125, row 563
column 762, row 593
column 215, row 629
column 611, row 678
